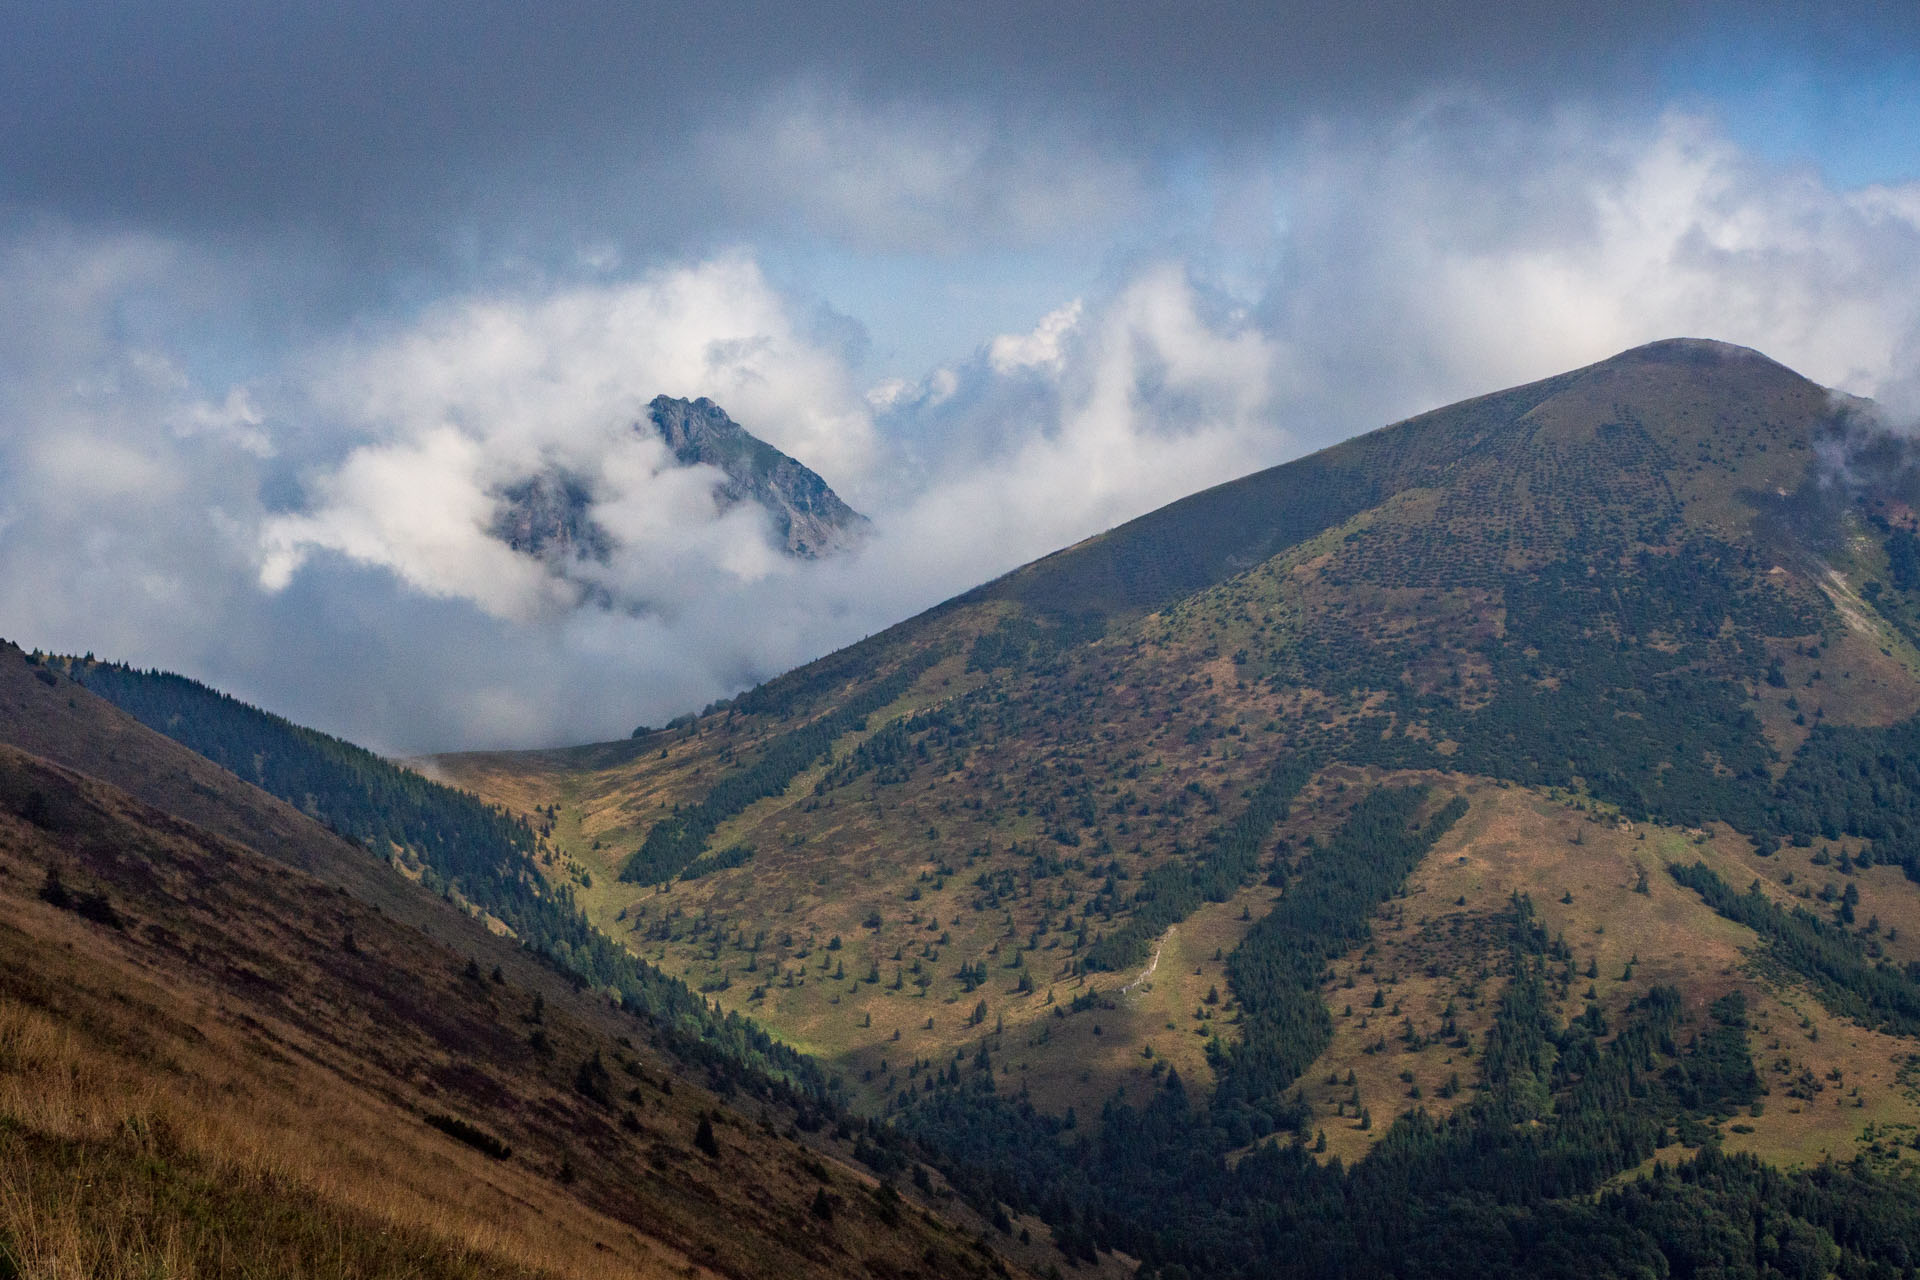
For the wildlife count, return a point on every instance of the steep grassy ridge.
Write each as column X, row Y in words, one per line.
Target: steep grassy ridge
column 214, row 1062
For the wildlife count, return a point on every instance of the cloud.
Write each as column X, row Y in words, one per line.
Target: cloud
column 1154, row 399
column 388, row 143
column 1469, row 249
column 301, row 515
column 235, row 416
column 911, row 174
column 1041, row 349
column 380, row 606
column 487, row 393
column 173, row 111
column 1104, row 410
column 116, row 531
column 531, row 373
column 419, row 509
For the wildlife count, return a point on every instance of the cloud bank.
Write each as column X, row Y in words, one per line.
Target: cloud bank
column 295, row 504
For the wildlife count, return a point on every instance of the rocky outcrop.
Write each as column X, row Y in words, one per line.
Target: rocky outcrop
column 808, row 517
column 549, row 516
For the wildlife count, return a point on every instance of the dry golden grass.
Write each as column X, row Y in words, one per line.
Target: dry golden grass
column 225, row 1086
column 1866, row 673
column 115, row 1075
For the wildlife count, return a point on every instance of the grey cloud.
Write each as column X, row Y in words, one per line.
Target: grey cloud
column 360, row 120
column 1425, row 255
column 913, row 175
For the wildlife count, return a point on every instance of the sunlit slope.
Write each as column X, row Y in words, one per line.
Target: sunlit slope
column 1591, row 581
column 1414, row 1006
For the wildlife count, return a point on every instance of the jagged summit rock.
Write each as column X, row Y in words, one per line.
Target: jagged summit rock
column 550, row 515
column 808, row 516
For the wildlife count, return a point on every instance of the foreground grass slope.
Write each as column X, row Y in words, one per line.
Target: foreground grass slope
column 213, row 1062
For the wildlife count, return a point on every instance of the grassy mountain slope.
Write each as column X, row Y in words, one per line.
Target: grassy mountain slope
column 1637, row 608
column 1065, row 744
column 266, row 1053
column 473, row 855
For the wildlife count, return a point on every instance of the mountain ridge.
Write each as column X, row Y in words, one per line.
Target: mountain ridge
column 810, row 521
column 1325, row 483
column 1338, row 872
column 1624, row 609
column 400, row 1090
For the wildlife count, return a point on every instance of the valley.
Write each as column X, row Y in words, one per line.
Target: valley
column 1621, row 615
column 1494, row 838
column 952, row 864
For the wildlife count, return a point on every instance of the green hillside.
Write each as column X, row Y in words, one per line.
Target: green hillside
column 1147, row 880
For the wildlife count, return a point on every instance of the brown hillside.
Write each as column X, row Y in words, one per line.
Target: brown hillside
column 216, row 1063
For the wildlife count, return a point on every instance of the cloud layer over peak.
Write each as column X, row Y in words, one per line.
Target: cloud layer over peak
column 288, row 305
column 484, row 394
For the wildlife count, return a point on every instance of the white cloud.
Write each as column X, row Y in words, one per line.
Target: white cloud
column 897, row 395
column 1113, row 408
column 1040, row 349
column 115, row 532
column 905, row 176
column 420, row 509
column 1470, row 250
column 1457, row 252
column 486, row 393
column 539, row 373
column 236, row 416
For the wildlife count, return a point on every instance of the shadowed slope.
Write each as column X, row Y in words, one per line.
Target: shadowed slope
column 251, row 1069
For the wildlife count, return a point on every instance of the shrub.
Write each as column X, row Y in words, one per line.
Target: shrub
column 479, row 1139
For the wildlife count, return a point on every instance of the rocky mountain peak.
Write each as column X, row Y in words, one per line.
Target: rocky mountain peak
column 550, row 515
column 809, row 517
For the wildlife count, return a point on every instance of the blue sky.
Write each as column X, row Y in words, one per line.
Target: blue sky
column 289, row 296
column 1854, row 117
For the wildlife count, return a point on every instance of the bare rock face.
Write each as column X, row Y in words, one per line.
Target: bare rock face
column 808, row 516
column 548, row 516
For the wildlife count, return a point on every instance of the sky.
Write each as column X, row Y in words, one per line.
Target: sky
column 291, row 293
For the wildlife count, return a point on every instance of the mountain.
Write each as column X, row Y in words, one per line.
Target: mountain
column 233, row 1043
column 550, row 515
column 809, row 519
column 1369, row 866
